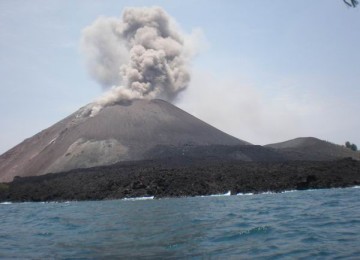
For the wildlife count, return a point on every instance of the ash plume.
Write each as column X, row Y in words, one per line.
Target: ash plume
column 143, row 54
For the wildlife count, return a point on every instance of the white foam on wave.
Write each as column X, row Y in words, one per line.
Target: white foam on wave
column 221, row 195
column 245, row 194
column 139, row 198
column 259, row 193
column 268, row 193
column 57, row 202
column 288, row 191
column 5, row 203
column 215, row 195
column 356, row 187
column 265, row 193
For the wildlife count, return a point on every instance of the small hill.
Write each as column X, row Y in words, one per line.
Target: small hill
column 314, row 149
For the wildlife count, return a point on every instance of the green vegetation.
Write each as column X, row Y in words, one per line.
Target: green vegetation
column 351, row 146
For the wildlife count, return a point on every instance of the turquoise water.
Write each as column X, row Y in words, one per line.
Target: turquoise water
column 301, row 224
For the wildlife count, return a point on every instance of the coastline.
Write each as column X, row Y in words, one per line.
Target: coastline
column 165, row 178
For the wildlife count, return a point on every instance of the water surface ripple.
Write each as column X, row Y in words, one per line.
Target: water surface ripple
column 304, row 224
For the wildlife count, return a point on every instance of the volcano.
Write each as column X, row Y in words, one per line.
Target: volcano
column 151, row 148
column 126, row 131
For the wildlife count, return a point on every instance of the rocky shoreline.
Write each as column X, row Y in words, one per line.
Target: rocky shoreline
column 167, row 178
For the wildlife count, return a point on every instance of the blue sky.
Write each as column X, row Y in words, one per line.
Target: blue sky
column 267, row 71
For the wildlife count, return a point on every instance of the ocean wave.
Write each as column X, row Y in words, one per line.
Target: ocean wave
column 245, row 194
column 257, row 193
column 139, row 198
column 216, row 195
column 235, row 235
column 220, row 195
column 5, row 203
column 56, row 202
column 265, row 193
column 289, row 191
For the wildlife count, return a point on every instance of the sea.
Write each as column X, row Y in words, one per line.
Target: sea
column 312, row 224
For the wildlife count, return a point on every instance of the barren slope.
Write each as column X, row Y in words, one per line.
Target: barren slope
column 310, row 148
column 117, row 133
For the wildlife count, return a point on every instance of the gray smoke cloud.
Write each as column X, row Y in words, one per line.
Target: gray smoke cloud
column 143, row 54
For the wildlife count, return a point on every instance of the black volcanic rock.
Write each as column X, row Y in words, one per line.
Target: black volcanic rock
column 161, row 178
column 311, row 148
column 121, row 132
